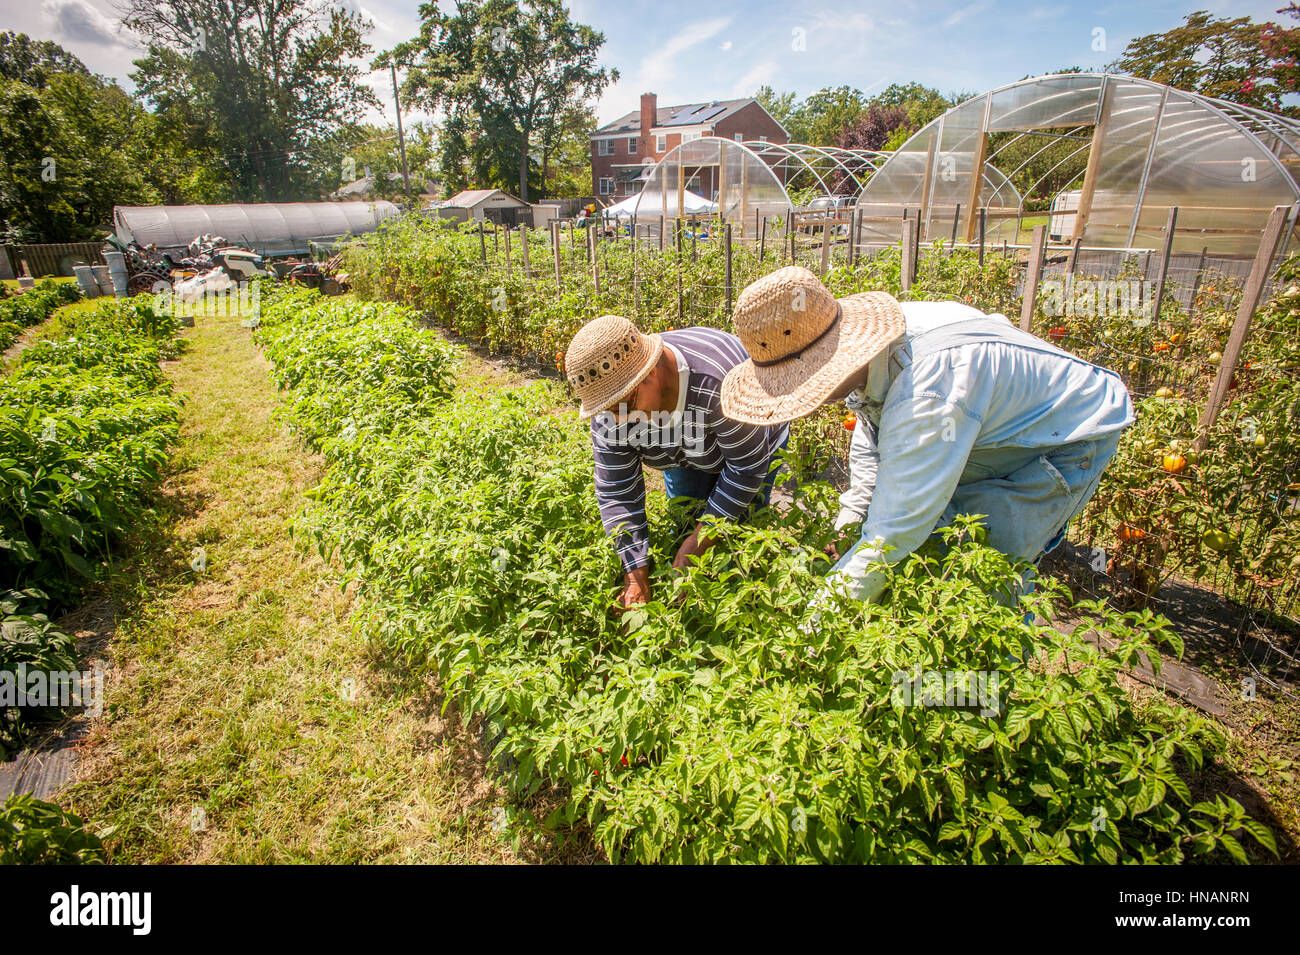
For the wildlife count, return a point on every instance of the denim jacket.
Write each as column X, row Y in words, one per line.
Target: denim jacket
column 960, row 397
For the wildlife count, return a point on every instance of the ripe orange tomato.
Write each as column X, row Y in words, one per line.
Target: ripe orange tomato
column 1175, row 463
column 850, row 422
column 1160, row 346
column 1127, row 532
column 1057, row 332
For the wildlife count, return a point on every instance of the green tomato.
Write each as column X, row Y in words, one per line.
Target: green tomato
column 1217, row 540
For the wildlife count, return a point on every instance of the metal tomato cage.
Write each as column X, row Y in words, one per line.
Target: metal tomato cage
column 1136, row 148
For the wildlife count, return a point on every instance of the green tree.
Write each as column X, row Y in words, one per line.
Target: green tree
column 33, row 207
column 34, row 61
column 262, row 83
column 1220, row 57
column 566, row 152
column 780, row 105
column 823, row 117
column 1282, row 46
column 503, row 72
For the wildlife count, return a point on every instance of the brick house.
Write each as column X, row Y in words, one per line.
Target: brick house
column 620, row 150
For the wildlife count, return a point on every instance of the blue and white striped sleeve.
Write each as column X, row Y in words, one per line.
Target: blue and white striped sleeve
column 746, row 453
column 620, row 492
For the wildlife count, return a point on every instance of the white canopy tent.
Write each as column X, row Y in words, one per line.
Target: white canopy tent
column 695, row 205
column 273, row 228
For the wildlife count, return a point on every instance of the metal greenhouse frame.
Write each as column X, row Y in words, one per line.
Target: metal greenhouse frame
column 832, row 170
column 1144, row 149
column 729, row 173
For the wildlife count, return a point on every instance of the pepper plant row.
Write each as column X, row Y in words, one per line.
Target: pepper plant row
column 19, row 310
column 722, row 721
column 86, row 421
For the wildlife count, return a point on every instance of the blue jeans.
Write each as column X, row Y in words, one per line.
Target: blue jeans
column 1029, row 509
column 691, row 482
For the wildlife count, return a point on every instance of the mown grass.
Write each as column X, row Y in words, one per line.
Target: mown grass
column 245, row 722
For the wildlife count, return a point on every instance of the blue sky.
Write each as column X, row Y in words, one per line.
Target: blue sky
column 694, row 50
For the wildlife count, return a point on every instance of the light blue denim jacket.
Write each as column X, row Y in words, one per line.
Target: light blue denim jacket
column 960, row 397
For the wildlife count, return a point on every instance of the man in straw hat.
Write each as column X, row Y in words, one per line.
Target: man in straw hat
column 653, row 399
column 958, row 412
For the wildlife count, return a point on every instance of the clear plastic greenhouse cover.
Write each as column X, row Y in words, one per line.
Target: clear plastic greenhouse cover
column 722, row 171
column 1148, row 148
column 270, row 227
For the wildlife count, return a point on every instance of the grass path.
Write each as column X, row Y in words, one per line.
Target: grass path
column 244, row 721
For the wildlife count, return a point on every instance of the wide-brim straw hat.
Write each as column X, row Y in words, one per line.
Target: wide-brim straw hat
column 803, row 344
column 606, row 360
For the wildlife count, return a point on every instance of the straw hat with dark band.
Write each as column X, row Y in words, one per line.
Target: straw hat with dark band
column 803, row 344
column 606, row 360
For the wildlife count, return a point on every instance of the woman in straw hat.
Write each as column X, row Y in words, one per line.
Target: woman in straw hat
column 653, row 399
column 958, row 412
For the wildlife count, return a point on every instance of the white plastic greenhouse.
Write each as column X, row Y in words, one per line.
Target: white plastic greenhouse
column 271, row 228
column 721, row 170
column 1134, row 149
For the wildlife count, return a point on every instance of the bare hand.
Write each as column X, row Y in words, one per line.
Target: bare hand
column 636, row 589
column 693, row 546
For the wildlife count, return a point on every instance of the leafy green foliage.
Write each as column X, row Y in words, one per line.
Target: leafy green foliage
column 33, row 307
column 85, row 424
column 35, row 832
column 722, row 721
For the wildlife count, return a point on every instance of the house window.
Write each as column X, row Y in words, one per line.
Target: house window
column 631, row 145
column 661, row 143
column 606, row 147
column 689, row 137
column 740, row 137
column 606, row 186
column 762, row 139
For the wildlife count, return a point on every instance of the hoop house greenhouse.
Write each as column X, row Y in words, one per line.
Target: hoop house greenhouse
column 821, row 170
column 721, row 170
column 1130, row 148
column 271, row 228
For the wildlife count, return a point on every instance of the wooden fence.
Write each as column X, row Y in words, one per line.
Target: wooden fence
column 53, row 258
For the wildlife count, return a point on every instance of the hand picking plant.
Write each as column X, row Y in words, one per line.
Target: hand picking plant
column 723, row 721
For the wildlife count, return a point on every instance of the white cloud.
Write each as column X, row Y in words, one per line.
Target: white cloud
column 725, row 46
column 658, row 67
column 756, row 76
column 78, row 21
column 965, row 13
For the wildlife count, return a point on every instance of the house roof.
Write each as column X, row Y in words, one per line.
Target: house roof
column 469, row 198
column 667, row 116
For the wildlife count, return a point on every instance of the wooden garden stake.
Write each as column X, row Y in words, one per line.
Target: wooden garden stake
column 1037, row 249
column 1250, row 296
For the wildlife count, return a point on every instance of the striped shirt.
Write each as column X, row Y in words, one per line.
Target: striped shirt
column 706, row 440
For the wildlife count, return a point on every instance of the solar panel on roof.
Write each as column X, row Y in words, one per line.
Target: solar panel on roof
column 697, row 114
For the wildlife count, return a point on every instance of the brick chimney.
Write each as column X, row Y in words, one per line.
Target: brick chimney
column 649, row 106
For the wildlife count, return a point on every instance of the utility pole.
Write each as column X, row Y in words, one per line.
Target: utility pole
column 401, row 139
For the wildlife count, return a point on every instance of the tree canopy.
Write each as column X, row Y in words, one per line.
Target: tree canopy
column 504, row 73
column 262, row 84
